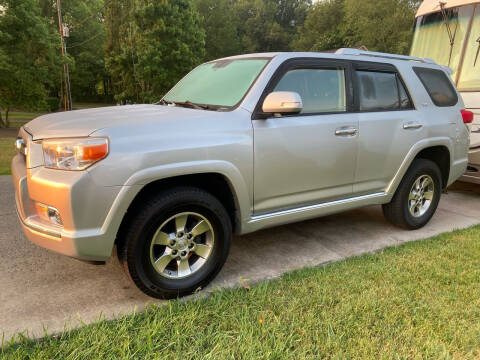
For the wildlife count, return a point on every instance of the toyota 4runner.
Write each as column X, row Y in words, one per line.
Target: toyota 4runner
column 240, row 144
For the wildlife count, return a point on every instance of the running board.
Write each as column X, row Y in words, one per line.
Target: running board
column 311, row 211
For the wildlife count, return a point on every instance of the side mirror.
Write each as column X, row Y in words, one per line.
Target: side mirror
column 282, row 102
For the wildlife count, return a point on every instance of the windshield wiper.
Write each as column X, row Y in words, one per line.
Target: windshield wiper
column 164, row 102
column 451, row 35
column 478, row 51
column 191, row 105
column 186, row 103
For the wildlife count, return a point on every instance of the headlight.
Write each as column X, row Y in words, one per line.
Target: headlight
column 74, row 154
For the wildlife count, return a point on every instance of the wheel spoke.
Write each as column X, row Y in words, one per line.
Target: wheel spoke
column 412, row 195
column 202, row 250
column 200, row 228
column 426, row 183
column 183, row 267
column 180, row 222
column 161, row 238
column 413, row 206
column 162, row 262
column 428, row 195
column 417, row 185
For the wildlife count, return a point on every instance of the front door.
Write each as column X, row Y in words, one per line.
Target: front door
column 307, row 158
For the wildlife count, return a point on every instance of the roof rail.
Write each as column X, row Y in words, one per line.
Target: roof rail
column 357, row 52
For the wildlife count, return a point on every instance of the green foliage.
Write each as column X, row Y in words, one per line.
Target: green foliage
column 28, row 56
column 86, row 46
column 136, row 50
column 152, row 46
column 259, row 30
column 170, row 43
column 380, row 25
column 321, row 30
column 220, row 24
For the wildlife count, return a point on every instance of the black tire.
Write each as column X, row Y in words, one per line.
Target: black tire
column 137, row 237
column 397, row 211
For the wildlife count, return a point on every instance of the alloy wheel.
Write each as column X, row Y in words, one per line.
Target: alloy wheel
column 182, row 245
column 421, row 196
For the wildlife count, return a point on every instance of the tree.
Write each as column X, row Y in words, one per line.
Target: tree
column 380, row 25
column 221, row 37
column 28, row 57
column 321, row 30
column 258, row 29
column 157, row 42
column 86, row 46
column 119, row 54
column 292, row 13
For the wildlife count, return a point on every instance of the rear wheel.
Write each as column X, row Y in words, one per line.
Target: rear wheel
column 177, row 243
column 417, row 196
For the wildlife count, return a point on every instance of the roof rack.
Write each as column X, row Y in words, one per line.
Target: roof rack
column 357, row 52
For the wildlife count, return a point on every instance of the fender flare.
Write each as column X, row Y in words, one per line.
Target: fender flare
column 411, row 155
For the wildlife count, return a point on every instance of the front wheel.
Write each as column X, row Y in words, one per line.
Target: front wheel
column 417, row 196
column 177, row 243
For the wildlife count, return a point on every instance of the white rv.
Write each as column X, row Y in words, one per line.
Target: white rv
column 448, row 31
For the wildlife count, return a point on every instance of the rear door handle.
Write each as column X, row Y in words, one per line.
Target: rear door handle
column 412, row 125
column 346, row 132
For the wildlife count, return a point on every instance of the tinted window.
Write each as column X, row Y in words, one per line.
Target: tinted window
column 321, row 90
column 378, row 91
column 438, row 86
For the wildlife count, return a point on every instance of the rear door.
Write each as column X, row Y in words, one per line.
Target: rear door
column 307, row 158
column 389, row 125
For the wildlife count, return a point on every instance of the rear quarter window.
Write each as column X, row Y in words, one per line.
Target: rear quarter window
column 438, row 86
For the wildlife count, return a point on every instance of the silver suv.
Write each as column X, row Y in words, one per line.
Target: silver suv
column 240, row 144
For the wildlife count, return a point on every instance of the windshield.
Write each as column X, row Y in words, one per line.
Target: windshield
column 433, row 39
column 440, row 36
column 221, row 83
column 470, row 76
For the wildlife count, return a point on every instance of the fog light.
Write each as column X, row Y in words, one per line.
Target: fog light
column 49, row 213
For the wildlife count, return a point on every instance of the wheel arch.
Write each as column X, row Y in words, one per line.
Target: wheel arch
column 437, row 150
column 440, row 155
column 214, row 183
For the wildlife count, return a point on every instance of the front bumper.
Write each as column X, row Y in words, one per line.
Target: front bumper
column 83, row 205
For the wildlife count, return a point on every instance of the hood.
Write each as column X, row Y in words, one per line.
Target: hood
column 80, row 123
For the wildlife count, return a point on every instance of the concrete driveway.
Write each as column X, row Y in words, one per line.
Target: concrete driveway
column 40, row 289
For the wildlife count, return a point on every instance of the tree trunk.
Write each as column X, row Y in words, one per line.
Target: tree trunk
column 7, row 122
column 1, row 120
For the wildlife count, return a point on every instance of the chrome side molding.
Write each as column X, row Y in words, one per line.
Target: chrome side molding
column 308, row 208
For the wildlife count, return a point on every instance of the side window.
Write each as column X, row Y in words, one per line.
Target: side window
column 405, row 102
column 438, row 86
column 381, row 91
column 322, row 89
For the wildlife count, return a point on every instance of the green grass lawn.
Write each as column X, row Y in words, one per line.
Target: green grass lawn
column 7, row 152
column 417, row 301
column 20, row 118
column 23, row 116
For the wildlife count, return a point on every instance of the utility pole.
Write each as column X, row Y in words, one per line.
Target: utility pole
column 67, row 94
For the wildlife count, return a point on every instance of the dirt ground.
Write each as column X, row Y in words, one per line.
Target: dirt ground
column 8, row 132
